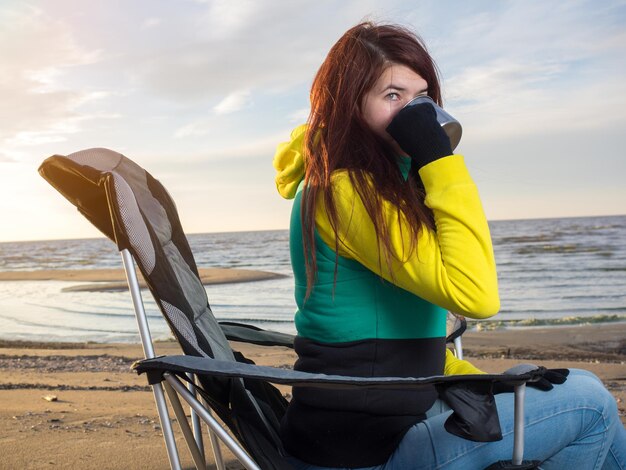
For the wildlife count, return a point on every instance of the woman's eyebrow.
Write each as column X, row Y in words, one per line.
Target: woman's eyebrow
column 393, row 87
column 399, row 88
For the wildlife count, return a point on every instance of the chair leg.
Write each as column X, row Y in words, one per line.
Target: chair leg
column 196, row 455
column 166, row 427
column 215, row 443
column 518, row 430
column 195, row 419
column 217, row 451
column 140, row 312
column 221, row 433
column 146, row 342
column 517, row 462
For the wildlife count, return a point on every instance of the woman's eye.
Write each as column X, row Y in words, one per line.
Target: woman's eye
column 393, row 97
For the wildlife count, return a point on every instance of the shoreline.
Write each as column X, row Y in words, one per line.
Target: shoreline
column 598, row 341
column 479, row 341
column 103, row 414
column 106, row 280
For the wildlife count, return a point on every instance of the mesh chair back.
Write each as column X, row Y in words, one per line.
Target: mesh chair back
column 135, row 211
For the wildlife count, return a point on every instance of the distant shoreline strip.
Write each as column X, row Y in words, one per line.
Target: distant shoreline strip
column 102, row 280
column 64, row 387
column 488, row 325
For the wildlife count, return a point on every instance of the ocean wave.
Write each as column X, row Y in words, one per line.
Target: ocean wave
column 588, row 296
column 521, row 266
column 65, row 327
column 519, row 239
column 564, row 249
column 531, row 312
column 83, row 312
column 239, row 307
column 482, row 325
column 255, row 320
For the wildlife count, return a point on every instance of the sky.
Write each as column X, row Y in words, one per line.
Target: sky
column 199, row 93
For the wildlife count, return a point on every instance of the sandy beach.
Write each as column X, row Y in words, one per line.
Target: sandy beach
column 103, row 414
column 101, row 280
column 78, row 405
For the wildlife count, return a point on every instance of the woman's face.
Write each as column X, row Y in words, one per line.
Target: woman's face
column 396, row 86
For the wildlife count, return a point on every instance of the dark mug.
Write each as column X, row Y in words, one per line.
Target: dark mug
column 451, row 126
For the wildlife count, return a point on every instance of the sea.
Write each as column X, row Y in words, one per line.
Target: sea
column 552, row 272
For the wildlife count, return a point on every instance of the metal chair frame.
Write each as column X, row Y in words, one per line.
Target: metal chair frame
column 174, row 387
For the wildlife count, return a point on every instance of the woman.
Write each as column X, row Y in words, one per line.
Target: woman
column 387, row 233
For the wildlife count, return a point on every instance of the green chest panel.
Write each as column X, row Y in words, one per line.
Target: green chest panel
column 360, row 305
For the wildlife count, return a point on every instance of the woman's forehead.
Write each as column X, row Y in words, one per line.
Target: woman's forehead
column 398, row 76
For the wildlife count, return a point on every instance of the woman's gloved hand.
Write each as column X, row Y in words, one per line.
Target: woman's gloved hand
column 416, row 130
column 550, row 378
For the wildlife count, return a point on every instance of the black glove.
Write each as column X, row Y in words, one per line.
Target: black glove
column 416, row 130
column 545, row 383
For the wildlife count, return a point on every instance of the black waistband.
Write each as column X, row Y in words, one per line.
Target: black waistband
column 358, row 428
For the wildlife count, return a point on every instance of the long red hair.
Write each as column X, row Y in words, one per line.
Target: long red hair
column 339, row 138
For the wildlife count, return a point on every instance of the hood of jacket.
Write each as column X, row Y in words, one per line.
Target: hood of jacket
column 289, row 163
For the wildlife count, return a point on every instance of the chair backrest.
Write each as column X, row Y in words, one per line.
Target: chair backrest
column 135, row 211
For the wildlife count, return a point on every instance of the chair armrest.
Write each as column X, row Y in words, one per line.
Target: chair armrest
column 181, row 365
column 251, row 334
column 469, row 395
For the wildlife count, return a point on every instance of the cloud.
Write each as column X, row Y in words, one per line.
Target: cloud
column 225, row 18
column 534, row 30
column 265, row 145
column 504, row 77
column 228, row 151
column 193, row 128
column 150, row 23
column 259, row 46
column 233, row 102
column 36, row 106
column 299, row 115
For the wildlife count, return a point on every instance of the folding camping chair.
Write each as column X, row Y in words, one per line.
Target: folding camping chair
column 135, row 211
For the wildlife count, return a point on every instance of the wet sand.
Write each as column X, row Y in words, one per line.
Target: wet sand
column 101, row 280
column 104, row 415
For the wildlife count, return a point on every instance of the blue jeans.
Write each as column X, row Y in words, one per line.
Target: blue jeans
column 573, row 426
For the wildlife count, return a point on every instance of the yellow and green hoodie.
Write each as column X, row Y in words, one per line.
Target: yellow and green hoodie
column 379, row 320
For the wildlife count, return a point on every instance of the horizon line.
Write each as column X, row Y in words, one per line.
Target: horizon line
column 286, row 229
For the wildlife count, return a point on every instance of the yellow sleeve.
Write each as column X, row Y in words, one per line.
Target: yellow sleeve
column 452, row 267
column 456, row 366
